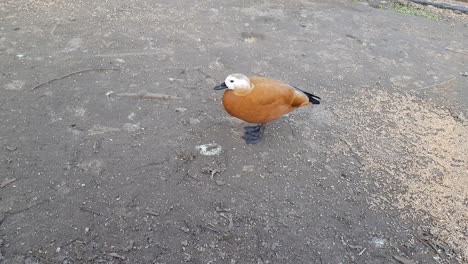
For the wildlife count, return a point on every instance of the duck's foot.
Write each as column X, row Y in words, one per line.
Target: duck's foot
column 253, row 134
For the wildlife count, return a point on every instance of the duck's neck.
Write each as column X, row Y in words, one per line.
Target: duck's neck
column 243, row 91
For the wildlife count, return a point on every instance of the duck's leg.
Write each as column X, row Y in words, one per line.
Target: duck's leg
column 253, row 134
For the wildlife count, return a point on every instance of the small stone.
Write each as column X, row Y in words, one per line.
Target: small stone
column 194, row 121
column 30, row 260
column 86, row 230
column 181, row 110
column 464, row 74
column 274, row 245
column 248, row 168
column 461, row 116
column 185, row 229
column 129, row 246
column 11, row 148
column 184, row 243
column 220, row 182
column 58, row 250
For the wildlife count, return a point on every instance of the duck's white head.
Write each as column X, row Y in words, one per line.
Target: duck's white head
column 235, row 81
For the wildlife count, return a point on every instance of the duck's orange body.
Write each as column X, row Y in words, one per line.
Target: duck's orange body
column 268, row 100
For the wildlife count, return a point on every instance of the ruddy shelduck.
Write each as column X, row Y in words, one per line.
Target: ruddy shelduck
column 261, row 100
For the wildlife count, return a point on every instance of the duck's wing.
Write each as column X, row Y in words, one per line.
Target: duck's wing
column 273, row 92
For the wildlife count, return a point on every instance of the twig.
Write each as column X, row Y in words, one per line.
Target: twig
column 44, row 259
column 428, row 243
column 148, row 96
column 403, row 260
column 290, row 127
column 26, row 208
column 283, row 223
column 6, row 182
column 52, row 31
column 115, row 255
column 72, row 73
column 91, row 239
column 126, row 54
column 210, row 228
column 231, row 223
column 70, row 242
column 89, row 210
column 360, row 253
column 213, row 173
column 154, row 163
column 350, row 148
column 303, row 40
column 151, row 212
column 454, row 51
column 434, row 85
column 172, row 68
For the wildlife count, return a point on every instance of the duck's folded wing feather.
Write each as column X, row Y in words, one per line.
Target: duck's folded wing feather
column 273, row 92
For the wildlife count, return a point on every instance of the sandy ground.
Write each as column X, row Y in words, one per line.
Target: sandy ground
column 115, row 148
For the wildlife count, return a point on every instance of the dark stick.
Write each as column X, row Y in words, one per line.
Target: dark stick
column 72, row 73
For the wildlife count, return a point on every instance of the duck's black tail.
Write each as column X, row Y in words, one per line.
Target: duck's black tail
column 312, row 98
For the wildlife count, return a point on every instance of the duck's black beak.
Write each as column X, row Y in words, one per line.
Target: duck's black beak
column 221, row 87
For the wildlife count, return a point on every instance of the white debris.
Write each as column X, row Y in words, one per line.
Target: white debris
column 210, row 149
column 99, row 129
column 131, row 127
column 378, row 242
column 15, row 85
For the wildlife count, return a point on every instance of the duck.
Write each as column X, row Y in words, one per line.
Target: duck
column 260, row 100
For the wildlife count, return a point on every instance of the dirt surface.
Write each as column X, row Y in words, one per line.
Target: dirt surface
column 115, row 148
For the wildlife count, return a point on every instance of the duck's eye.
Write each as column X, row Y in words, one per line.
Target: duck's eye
column 232, row 81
